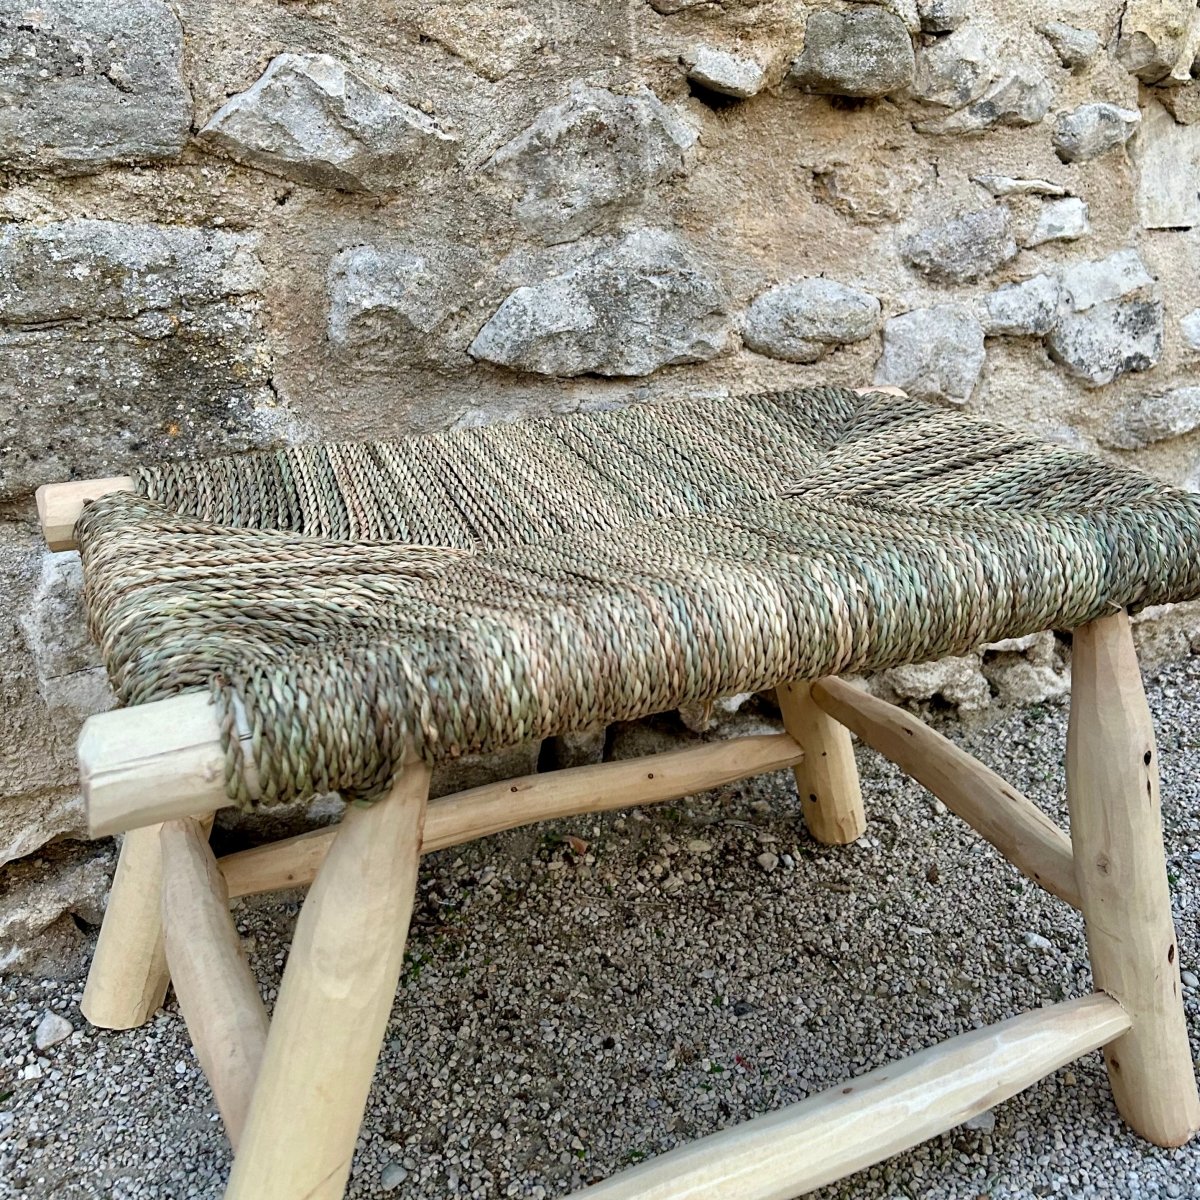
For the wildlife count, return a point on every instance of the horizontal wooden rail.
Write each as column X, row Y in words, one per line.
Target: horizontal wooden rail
column 163, row 761
column 493, row 807
column 1011, row 822
column 868, row 1119
column 59, row 506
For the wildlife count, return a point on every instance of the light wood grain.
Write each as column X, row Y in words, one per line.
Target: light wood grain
column 1112, row 791
column 59, row 506
column 827, row 779
column 128, row 978
column 333, row 1006
column 151, row 763
column 868, row 1119
column 485, row 810
column 216, row 991
column 1011, row 822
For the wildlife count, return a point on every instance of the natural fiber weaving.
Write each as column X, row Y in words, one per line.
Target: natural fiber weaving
column 470, row 590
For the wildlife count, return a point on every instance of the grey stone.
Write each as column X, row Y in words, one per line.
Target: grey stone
column 1022, row 96
column 392, row 1176
column 768, row 861
column 942, row 16
column 591, row 158
column 1023, row 309
column 1061, row 221
column 630, row 307
column 1189, row 980
column 70, row 678
column 858, row 52
column 1095, row 281
column 1182, row 102
column 800, row 320
column 984, row 1122
column 933, row 353
column 38, row 899
column 720, row 71
column 957, row 681
column 87, row 83
column 393, row 300
column 1007, row 185
column 1108, row 340
column 127, row 341
column 1092, row 130
column 954, row 70
column 310, row 118
column 1167, row 157
column 1075, row 47
column 1189, row 327
column 1154, row 418
column 51, row 1030
column 1154, row 40
column 959, row 249
column 492, row 39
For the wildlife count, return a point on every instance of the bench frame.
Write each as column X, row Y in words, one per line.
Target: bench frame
column 292, row 1090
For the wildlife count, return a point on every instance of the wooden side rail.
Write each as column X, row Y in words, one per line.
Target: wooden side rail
column 163, row 761
column 881, row 1113
column 1028, row 838
column 480, row 811
column 59, row 506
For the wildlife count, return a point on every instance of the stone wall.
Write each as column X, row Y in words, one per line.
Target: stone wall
column 237, row 223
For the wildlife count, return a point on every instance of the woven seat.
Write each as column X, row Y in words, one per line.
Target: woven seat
column 470, row 590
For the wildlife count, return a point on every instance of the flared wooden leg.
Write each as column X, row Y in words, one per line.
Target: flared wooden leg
column 128, row 978
column 1116, row 830
column 827, row 779
column 333, row 1004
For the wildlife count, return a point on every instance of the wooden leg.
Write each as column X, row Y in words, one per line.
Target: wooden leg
column 1116, row 829
column 213, row 984
column 128, row 979
column 334, row 1002
column 827, row 779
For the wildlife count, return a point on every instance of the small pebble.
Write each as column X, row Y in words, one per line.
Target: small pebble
column 697, row 846
column 1189, row 980
column 392, row 1176
column 1035, row 941
column 984, row 1122
column 767, row 860
column 51, row 1030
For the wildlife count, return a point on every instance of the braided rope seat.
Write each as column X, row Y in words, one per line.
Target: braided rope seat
column 341, row 617
column 466, row 591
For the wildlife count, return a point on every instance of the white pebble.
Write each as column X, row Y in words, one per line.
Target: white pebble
column 1035, row 941
column 767, row 860
column 1189, row 980
column 51, row 1030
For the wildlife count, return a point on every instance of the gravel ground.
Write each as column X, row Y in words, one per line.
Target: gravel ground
column 567, row 1010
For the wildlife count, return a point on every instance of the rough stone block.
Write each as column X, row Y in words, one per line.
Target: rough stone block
column 1108, row 340
column 954, row 70
column 1021, row 96
column 959, row 249
column 1091, row 130
column 1097, row 280
column 720, row 71
column 933, row 353
column 1076, row 48
column 1167, row 155
column 589, row 159
column 39, row 899
column 799, row 321
column 1063, row 220
column 942, row 16
column 1189, row 328
column 1155, row 39
column 312, row 119
column 1028, row 309
column 1156, row 417
column 492, row 39
column 857, row 52
column 87, row 83
column 123, row 342
column 628, row 308
column 398, row 303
